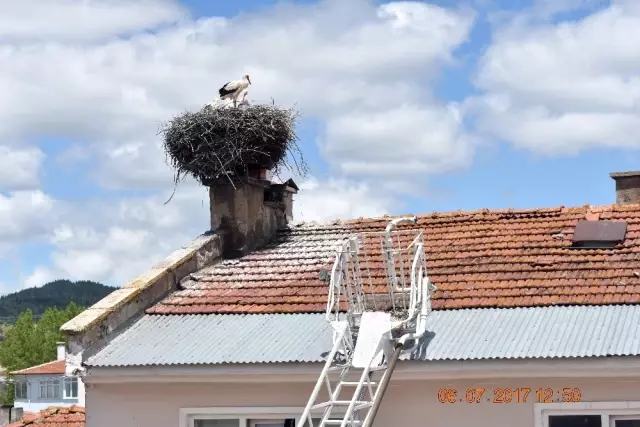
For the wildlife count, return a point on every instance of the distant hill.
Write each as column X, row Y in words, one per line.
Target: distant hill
column 58, row 293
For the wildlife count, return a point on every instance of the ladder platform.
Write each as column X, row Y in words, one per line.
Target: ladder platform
column 388, row 301
column 374, row 327
column 359, row 366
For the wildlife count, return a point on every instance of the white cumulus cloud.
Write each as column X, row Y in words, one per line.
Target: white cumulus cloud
column 562, row 88
column 20, row 168
column 82, row 20
column 363, row 72
column 338, row 199
column 25, row 215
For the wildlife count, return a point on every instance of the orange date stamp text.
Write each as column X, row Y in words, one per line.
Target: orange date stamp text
column 509, row 395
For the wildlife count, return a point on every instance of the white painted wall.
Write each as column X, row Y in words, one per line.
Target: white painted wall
column 34, row 403
column 407, row 403
column 81, row 392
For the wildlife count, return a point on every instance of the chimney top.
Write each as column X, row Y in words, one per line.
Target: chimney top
column 61, row 350
column 616, row 175
column 627, row 187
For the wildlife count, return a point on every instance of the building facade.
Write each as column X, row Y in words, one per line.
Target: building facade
column 535, row 321
column 46, row 385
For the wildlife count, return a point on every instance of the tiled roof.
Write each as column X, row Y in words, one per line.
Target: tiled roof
column 55, row 367
column 487, row 258
column 468, row 334
column 54, row 416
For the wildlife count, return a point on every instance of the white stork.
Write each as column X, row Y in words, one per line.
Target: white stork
column 233, row 90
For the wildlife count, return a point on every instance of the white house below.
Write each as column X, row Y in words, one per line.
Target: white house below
column 45, row 385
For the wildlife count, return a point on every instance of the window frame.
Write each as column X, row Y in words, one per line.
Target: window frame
column 608, row 411
column 56, row 387
column 251, row 422
column 244, row 414
column 69, row 379
column 614, row 418
column 25, row 385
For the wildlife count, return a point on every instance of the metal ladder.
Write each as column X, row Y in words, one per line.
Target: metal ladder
column 365, row 394
column 363, row 357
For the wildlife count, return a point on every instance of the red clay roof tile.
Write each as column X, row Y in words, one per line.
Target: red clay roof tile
column 54, row 416
column 55, row 367
column 484, row 258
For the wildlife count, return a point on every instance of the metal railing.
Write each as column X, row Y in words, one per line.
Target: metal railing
column 380, row 271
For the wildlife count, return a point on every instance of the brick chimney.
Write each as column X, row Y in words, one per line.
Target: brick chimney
column 627, row 187
column 249, row 211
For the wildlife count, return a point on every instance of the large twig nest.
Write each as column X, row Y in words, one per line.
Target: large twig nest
column 222, row 142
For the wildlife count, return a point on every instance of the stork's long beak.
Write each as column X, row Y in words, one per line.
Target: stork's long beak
column 248, row 79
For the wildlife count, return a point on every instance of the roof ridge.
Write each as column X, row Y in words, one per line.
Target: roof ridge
column 462, row 212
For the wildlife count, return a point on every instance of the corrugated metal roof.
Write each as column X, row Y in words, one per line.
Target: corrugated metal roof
column 212, row 338
column 534, row 332
column 471, row 334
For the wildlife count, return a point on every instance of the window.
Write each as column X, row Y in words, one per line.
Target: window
column 290, row 422
column 243, row 417
column 588, row 414
column 70, row 387
column 242, row 422
column 217, row 423
column 50, row 389
column 575, row 421
column 21, row 389
column 626, row 421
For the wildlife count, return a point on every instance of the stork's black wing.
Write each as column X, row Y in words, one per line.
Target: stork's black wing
column 224, row 91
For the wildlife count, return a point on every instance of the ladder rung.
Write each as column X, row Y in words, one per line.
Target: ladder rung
column 320, row 405
column 355, row 383
column 338, row 422
column 347, row 402
column 363, row 406
column 358, row 404
column 356, row 369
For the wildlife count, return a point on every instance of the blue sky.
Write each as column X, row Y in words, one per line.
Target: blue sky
column 542, row 181
column 447, row 105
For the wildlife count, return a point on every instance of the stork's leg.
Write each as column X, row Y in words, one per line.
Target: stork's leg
column 243, row 97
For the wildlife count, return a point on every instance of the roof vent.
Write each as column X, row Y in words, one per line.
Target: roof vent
column 599, row 234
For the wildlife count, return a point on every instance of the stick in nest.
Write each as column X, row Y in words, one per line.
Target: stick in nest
column 220, row 142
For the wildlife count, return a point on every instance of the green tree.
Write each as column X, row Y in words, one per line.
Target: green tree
column 20, row 348
column 53, row 294
column 31, row 343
